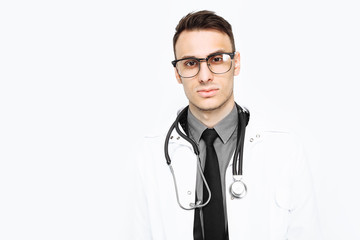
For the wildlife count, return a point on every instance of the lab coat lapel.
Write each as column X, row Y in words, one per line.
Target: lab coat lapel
column 241, row 227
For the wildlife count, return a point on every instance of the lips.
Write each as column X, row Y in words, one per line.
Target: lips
column 206, row 93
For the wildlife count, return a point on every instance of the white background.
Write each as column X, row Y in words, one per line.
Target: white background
column 80, row 80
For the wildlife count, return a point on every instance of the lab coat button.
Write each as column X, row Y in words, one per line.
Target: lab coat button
column 251, row 139
column 189, row 192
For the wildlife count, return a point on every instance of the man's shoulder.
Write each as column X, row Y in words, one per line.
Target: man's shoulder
column 274, row 128
column 268, row 123
column 157, row 132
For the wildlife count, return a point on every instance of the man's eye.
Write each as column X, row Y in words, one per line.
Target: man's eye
column 217, row 59
column 190, row 63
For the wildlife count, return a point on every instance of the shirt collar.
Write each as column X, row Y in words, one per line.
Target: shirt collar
column 225, row 128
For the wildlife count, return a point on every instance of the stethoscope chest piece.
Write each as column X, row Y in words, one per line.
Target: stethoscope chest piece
column 238, row 188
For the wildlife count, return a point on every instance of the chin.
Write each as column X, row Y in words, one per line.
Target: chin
column 208, row 106
column 211, row 104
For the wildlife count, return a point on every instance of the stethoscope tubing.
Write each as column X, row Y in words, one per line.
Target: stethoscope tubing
column 243, row 118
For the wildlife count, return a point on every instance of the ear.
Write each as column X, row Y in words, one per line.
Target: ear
column 178, row 78
column 237, row 64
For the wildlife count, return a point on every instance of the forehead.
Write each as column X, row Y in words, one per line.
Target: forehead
column 200, row 43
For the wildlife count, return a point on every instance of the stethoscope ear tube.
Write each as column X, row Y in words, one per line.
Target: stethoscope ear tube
column 166, row 145
column 193, row 144
column 238, row 155
column 175, row 125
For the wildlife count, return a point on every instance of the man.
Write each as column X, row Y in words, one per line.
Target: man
column 279, row 203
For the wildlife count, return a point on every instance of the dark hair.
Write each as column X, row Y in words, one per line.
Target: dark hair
column 203, row 20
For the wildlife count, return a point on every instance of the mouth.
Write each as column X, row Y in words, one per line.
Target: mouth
column 206, row 93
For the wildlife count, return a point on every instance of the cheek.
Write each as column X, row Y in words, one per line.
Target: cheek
column 187, row 88
column 228, row 84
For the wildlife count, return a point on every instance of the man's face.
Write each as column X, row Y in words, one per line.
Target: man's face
column 207, row 91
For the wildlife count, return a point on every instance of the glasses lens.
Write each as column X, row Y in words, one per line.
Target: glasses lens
column 188, row 67
column 220, row 63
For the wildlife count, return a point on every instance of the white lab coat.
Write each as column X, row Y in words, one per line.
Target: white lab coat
column 279, row 204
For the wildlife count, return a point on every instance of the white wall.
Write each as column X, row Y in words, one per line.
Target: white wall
column 79, row 81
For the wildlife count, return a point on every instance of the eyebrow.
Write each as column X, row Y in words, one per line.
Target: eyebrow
column 192, row 56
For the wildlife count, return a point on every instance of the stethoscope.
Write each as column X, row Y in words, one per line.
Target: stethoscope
column 238, row 188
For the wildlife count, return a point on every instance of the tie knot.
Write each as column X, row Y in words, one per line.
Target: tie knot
column 209, row 136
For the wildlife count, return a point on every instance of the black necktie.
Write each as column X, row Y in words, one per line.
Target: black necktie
column 213, row 212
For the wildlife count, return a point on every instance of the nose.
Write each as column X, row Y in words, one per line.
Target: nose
column 205, row 74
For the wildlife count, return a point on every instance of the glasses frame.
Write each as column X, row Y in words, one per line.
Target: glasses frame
column 231, row 54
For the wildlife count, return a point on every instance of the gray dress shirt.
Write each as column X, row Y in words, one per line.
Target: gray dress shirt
column 224, row 146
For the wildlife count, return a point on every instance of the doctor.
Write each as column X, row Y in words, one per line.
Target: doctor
column 193, row 199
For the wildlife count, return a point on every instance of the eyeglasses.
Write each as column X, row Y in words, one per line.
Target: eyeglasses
column 217, row 63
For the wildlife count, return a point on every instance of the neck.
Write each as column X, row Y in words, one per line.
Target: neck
column 211, row 117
